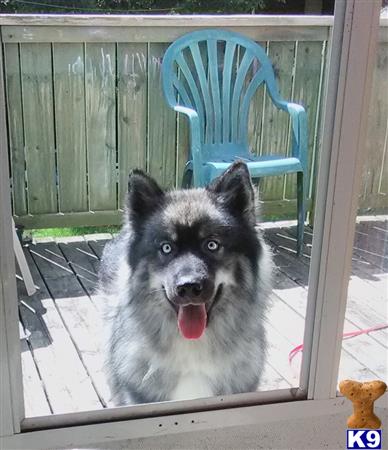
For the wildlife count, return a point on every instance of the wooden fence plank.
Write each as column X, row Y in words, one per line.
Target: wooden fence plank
column 306, row 89
column 183, row 145
column 375, row 172
column 162, row 123
column 276, row 123
column 132, row 87
column 256, row 115
column 148, row 21
column 165, row 33
column 37, row 88
column 255, row 126
column 69, row 100
column 147, row 132
column 182, row 152
column 15, row 127
column 100, row 76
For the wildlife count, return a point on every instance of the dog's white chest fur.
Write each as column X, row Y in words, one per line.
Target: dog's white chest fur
column 196, row 368
column 192, row 386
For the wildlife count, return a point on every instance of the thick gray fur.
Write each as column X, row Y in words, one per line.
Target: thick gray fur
column 147, row 359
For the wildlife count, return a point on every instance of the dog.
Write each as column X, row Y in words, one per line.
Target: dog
column 185, row 286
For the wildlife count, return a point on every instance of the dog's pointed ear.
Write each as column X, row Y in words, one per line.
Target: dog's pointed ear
column 144, row 195
column 234, row 188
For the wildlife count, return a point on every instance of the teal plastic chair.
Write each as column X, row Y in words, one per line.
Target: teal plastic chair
column 211, row 76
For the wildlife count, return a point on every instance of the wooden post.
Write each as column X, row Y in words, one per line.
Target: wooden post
column 11, row 388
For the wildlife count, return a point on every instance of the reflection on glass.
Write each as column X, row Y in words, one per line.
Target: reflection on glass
column 185, row 292
column 365, row 345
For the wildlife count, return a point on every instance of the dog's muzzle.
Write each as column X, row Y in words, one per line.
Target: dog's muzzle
column 191, row 300
column 190, row 290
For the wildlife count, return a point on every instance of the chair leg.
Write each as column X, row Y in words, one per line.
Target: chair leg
column 187, row 180
column 23, row 265
column 301, row 211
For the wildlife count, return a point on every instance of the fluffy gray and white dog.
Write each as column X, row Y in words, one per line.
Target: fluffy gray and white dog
column 186, row 286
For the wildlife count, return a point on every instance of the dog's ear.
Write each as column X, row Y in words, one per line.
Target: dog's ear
column 234, row 188
column 144, row 195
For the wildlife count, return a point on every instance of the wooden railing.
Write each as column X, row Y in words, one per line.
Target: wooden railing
column 85, row 106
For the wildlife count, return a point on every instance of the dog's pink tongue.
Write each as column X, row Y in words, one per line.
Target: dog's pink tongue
column 192, row 320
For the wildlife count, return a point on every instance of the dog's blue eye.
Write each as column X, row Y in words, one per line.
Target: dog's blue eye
column 166, row 248
column 213, row 245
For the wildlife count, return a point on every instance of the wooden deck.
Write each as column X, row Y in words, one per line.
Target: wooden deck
column 60, row 325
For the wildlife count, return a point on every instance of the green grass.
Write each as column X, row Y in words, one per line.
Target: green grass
column 75, row 231
column 80, row 231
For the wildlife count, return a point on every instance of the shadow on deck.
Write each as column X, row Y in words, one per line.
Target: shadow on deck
column 61, row 327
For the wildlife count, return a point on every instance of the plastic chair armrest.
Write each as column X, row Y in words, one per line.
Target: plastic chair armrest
column 299, row 129
column 194, row 125
column 195, row 141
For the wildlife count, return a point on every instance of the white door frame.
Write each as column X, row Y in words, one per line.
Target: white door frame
column 354, row 44
column 339, row 185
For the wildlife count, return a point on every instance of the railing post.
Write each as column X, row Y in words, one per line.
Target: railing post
column 11, row 386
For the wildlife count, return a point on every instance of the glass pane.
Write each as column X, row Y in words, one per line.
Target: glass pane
column 184, row 306
column 365, row 341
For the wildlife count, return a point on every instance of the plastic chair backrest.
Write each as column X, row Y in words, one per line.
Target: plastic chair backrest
column 216, row 73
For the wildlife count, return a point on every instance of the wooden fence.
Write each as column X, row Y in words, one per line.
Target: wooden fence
column 85, row 105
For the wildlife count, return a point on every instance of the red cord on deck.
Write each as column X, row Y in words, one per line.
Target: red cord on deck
column 348, row 335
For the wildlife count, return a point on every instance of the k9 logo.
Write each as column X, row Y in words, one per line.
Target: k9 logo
column 363, row 439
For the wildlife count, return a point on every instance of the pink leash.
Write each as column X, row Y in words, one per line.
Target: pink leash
column 348, row 335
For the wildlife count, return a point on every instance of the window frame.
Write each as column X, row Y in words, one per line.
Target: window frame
column 352, row 55
column 344, row 136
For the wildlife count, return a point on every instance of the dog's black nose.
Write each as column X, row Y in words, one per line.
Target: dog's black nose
column 189, row 290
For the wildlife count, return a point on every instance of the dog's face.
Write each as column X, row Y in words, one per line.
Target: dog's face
column 190, row 245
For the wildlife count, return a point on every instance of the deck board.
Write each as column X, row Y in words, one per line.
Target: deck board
column 97, row 243
column 368, row 284
column 67, row 385
column 370, row 346
column 80, row 316
column 84, row 320
column 62, row 322
column 82, row 261
column 35, row 398
column 73, row 307
column 371, row 243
